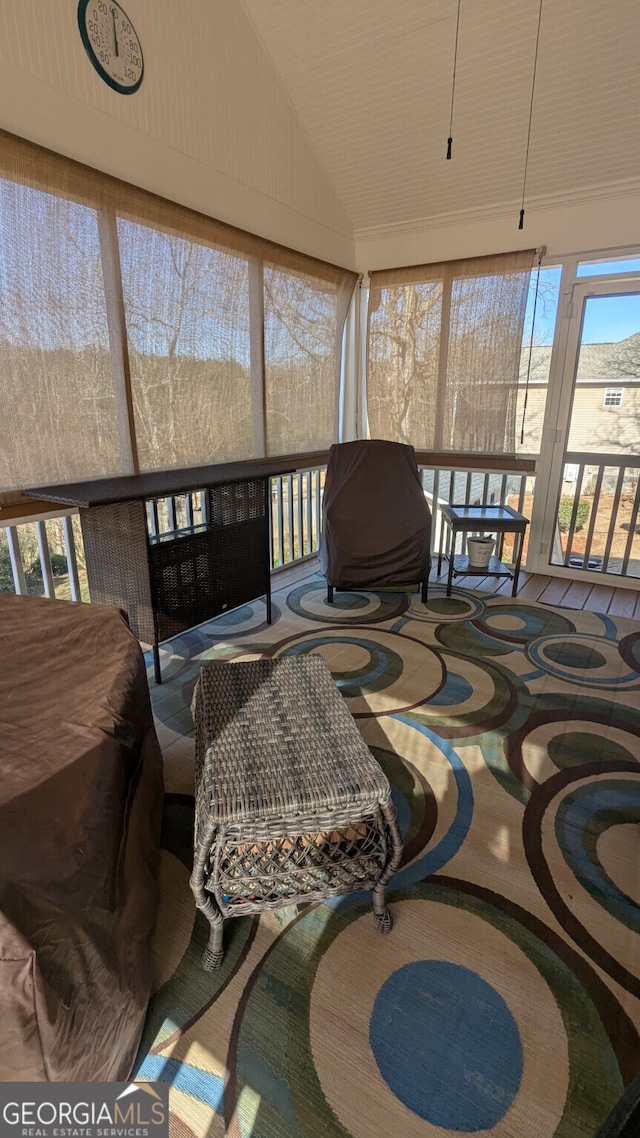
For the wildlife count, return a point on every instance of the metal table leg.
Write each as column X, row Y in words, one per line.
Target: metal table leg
column 516, row 568
column 452, row 554
column 156, row 663
column 442, row 525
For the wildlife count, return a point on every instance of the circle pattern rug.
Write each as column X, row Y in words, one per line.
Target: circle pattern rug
column 506, row 999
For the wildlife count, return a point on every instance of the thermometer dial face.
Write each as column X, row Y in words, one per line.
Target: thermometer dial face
column 112, row 44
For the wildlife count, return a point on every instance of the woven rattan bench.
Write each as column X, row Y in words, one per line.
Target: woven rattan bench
column 290, row 804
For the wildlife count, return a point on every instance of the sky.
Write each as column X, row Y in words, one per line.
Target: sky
column 608, row 319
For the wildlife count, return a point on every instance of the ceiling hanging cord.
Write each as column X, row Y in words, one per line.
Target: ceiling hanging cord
column 453, row 84
column 533, row 87
column 541, row 253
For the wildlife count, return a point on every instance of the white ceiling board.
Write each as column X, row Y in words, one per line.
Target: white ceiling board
column 370, row 82
column 209, row 96
column 321, row 122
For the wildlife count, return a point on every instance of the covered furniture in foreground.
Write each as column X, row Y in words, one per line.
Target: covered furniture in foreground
column 80, row 810
column 376, row 529
column 291, row 806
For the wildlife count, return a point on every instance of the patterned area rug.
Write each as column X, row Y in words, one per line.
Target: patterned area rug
column 506, row 1000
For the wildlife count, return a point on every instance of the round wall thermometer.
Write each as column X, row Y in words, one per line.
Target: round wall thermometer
column 112, row 44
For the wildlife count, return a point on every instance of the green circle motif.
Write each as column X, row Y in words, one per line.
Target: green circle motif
column 405, row 779
column 573, row 748
column 382, row 669
column 573, row 654
column 346, row 606
column 441, row 609
column 450, row 606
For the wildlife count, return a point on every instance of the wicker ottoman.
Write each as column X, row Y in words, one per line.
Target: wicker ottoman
column 290, row 804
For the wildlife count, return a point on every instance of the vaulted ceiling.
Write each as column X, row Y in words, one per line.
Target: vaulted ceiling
column 323, row 124
column 371, row 81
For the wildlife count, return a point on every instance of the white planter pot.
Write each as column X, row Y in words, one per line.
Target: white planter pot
column 480, row 550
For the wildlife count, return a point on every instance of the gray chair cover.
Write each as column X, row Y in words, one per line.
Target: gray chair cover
column 376, row 521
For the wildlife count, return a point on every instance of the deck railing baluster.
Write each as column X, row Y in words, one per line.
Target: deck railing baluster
column 15, row 557
column 152, row 514
column 632, row 529
column 45, row 560
column 523, row 490
column 72, row 561
column 612, row 521
column 280, row 523
column 318, row 508
column 592, row 519
column 188, row 510
column 300, row 534
column 574, row 515
column 290, row 537
column 309, row 542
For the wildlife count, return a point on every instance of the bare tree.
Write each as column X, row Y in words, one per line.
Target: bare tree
column 403, row 362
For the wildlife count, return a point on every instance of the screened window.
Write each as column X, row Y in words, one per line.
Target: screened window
column 535, row 362
column 302, row 318
column 608, row 268
column 58, row 417
column 188, row 323
column 138, row 335
column 443, row 353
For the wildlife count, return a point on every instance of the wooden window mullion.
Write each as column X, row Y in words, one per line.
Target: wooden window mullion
column 114, row 300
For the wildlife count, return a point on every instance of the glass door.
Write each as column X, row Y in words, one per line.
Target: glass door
column 591, row 521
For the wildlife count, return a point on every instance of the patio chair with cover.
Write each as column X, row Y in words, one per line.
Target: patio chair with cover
column 376, row 521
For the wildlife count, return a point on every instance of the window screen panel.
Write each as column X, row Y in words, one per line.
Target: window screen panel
column 404, row 338
column 137, row 334
column 443, row 353
column 303, row 320
column 58, row 418
column 188, row 324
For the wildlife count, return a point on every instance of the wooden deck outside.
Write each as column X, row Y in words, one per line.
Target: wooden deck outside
column 566, row 593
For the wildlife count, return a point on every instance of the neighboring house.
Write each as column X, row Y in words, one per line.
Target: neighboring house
column 606, row 404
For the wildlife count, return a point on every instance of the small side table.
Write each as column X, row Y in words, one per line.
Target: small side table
column 465, row 518
column 291, row 805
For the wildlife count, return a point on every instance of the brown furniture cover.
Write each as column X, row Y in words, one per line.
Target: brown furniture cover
column 80, row 807
column 376, row 521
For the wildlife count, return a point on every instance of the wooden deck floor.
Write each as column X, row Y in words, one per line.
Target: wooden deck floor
column 532, row 586
column 565, row 593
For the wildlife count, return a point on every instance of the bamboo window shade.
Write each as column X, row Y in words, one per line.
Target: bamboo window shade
column 136, row 334
column 444, row 345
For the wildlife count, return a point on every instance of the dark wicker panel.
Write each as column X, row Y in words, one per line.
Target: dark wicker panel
column 174, row 582
column 238, row 501
column 115, row 545
column 197, row 576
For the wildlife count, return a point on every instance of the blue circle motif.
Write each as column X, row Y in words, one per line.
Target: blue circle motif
column 456, row 689
column 447, row 1045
